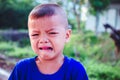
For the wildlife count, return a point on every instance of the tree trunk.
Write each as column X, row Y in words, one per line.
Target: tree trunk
column 78, row 22
column 77, row 15
column 116, row 18
column 97, row 23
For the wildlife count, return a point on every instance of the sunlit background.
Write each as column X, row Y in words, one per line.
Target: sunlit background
column 90, row 42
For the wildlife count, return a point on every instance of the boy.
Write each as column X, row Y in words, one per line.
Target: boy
column 48, row 32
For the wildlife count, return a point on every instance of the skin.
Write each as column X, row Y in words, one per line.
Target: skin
column 48, row 36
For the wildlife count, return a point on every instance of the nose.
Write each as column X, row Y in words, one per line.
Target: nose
column 43, row 39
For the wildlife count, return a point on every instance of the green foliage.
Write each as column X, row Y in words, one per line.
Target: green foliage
column 21, row 52
column 14, row 50
column 24, row 42
column 100, row 71
column 72, row 23
column 4, row 47
column 98, row 5
column 14, row 13
column 87, row 45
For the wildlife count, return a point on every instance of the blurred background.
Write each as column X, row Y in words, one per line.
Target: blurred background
column 95, row 39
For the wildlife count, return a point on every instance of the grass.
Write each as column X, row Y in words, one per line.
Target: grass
column 12, row 49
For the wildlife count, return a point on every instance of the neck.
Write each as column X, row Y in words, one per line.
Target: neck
column 46, row 66
column 50, row 61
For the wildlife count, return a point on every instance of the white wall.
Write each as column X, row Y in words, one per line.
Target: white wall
column 107, row 17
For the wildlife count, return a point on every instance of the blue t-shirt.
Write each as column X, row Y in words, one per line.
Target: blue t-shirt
column 27, row 69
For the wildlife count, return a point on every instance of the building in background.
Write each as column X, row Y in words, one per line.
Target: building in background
column 111, row 16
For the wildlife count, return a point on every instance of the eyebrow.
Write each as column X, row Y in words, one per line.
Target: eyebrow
column 34, row 31
column 51, row 29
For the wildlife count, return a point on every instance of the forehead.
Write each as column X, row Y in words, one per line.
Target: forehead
column 51, row 21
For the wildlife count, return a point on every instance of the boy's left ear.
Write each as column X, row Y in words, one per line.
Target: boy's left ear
column 68, row 34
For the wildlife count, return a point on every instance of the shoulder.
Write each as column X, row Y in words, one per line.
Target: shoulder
column 24, row 63
column 74, row 63
column 25, row 60
column 21, row 69
column 77, row 69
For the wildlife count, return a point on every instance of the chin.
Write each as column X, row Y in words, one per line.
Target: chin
column 46, row 57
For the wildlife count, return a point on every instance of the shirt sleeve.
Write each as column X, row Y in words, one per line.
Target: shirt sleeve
column 15, row 73
column 79, row 72
column 19, row 71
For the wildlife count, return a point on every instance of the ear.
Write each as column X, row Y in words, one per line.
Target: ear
column 68, row 34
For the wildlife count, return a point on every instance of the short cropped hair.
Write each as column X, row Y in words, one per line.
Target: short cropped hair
column 48, row 10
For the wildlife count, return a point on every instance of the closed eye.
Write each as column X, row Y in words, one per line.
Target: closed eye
column 53, row 33
column 35, row 34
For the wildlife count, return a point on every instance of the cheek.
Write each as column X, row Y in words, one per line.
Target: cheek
column 59, row 42
column 34, row 45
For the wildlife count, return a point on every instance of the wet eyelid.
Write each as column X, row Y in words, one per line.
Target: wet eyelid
column 34, row 34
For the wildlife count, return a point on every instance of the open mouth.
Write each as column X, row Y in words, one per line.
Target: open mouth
column 46, row 48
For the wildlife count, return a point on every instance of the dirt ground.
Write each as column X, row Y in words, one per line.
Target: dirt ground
column 2, row 77
column 6, row 66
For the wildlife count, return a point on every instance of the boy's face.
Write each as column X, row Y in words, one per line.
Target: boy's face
column 48, row 36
